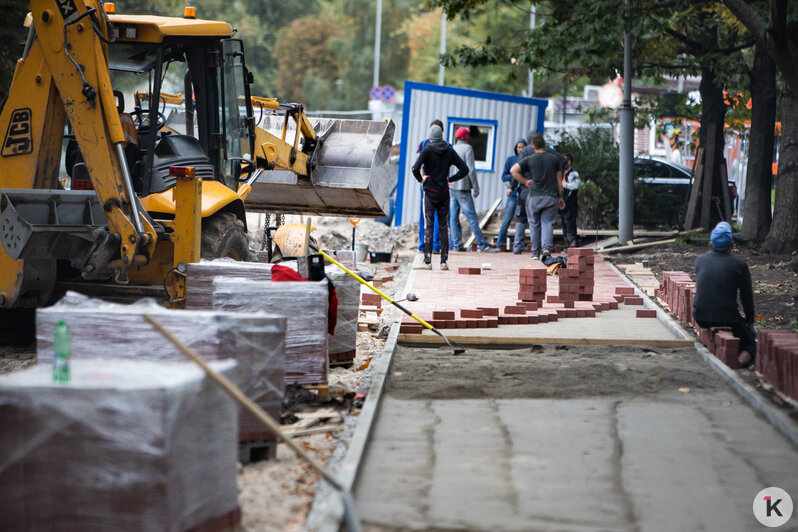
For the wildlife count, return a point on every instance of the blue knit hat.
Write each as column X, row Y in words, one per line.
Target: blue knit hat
column 721, row 237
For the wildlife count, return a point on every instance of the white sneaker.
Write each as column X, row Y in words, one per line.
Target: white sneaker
column 423, row 266
column 444, row 266
column 535, row 257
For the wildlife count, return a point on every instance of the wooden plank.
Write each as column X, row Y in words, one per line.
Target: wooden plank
column 724, row 177
column 606, row 242
column 638, row 246
column 484, row 221
column 525, row 341
column 593, row 232
column 315, row 430
column 695, row 190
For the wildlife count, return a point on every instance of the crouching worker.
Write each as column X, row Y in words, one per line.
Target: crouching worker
column 719, row 277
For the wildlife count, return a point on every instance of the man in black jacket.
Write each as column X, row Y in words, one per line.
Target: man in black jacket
column 436, row 158
column 719, row 276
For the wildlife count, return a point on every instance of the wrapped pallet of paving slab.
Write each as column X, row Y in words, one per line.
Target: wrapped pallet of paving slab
column 342, row 345
column 200, row 275
column 124, row 446
column 304, row 304
column 111, row 331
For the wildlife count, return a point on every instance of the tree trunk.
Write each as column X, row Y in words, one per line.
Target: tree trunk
column 713, row 115
column 759, row 174
column 783, row 235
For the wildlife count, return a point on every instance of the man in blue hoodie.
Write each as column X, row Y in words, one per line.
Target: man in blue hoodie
column 512, row 192
column 719, row 278
column 435, row 159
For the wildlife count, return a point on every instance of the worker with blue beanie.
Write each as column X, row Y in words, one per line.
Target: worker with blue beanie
column 719, row 278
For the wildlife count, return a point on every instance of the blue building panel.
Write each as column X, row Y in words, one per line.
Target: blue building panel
column 510, row 117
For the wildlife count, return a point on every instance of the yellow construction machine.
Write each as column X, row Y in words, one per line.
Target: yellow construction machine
column 94, row 189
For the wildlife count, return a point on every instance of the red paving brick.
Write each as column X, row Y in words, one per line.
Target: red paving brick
column 495, row 289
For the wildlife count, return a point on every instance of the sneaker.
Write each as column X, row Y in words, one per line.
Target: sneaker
column 444, row 266
column 535, row 257
column 546, row 253
column 460, row 248
column 488, row 249
column 517, row 252
column 423, row 266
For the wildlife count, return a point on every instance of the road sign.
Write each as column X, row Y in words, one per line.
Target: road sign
column 385, row 93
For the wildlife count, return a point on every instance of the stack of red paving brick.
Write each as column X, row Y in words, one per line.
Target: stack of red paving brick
column 777, row 359
column 677, row 290
column 532, row 284
column 577, row 279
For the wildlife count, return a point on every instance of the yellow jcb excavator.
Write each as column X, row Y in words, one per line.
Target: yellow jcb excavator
column 141, row 189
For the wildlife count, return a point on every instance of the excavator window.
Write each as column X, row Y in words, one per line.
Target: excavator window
column 235, row 110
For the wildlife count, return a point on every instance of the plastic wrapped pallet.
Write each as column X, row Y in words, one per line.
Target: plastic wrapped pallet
column 304, row 304
column 125, row 446
column 344, row 341
column 200, row 275
column 102, row 330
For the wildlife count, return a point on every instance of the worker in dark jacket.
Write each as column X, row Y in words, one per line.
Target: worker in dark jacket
column 436, row 158
column 719, row 277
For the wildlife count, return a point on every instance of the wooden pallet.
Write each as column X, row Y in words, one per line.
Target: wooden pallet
column 323, row 389
column 255, row 451
column 342, row 359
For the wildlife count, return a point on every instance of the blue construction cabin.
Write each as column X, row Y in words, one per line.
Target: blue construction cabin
column 496, row 121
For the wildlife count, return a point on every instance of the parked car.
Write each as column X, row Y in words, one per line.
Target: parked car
column 661, row 192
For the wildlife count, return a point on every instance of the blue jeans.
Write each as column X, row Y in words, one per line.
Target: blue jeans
column 521, row 222
column 435, row 237
column 462, row 199
column 509, row 212
column 542, row 213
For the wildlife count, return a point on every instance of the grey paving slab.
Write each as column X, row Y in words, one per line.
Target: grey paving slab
column 679, row 462
column 694, row 468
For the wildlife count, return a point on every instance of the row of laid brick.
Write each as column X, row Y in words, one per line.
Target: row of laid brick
column 515, row 315
column 777, row 350
column 777, row 359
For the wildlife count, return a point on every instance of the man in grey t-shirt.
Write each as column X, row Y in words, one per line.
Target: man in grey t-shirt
column 542, row 174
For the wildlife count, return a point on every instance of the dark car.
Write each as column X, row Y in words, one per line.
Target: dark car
column 661, row 192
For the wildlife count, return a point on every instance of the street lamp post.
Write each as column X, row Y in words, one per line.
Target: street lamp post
column 441, row 69
column 375, row 79
column 625, row 167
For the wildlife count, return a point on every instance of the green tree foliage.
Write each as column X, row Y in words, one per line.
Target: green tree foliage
column 493, row 22
column 12, row 39
column 307, row 66
column 595, row 154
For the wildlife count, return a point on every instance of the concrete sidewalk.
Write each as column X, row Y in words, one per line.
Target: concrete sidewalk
column 682, row 462
column 600, row 438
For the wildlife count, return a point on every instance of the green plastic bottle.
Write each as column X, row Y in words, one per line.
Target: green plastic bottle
column 62, row 341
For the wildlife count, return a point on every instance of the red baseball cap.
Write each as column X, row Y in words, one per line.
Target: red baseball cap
column 461, row 133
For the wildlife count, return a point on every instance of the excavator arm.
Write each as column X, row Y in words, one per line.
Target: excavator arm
column 64, row 74
column 282, row 153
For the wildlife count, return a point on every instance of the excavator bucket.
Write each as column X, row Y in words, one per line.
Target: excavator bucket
column 351, row 173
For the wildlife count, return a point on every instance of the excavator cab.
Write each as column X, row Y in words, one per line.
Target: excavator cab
column 183, row 111
column 153, row 103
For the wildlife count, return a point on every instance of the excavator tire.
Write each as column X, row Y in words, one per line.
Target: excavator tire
column 17, row 326
column 223, row 235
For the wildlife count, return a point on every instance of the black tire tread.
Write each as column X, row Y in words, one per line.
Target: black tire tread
column 224, row 233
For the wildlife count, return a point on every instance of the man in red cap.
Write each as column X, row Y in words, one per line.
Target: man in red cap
column 461, row 196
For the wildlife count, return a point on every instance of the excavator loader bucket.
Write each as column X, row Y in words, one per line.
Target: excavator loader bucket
column 350, row 171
